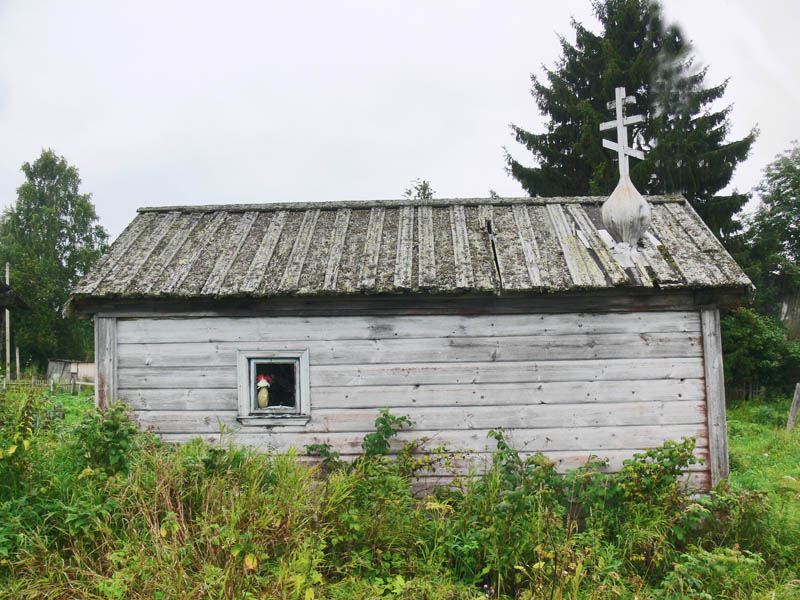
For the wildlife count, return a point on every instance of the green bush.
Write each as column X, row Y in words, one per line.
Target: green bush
column 91, row 508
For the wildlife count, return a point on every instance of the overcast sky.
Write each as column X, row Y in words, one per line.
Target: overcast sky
column 161, row 103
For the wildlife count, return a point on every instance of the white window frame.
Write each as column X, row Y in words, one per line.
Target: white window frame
column 248, row 415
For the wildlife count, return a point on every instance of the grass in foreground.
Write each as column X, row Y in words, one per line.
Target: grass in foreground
column 91, row 508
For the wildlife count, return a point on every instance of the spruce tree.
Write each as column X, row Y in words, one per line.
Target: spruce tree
column 683, row 135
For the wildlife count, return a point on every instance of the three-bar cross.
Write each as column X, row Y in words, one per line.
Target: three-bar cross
column 621, row 145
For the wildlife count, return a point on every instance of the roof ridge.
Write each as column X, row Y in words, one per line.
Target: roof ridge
column 393, row 203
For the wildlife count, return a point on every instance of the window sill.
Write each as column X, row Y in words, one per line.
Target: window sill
column 273, row 420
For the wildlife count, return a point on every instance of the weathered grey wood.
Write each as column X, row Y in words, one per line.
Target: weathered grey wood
column 693, row 227
column 355, row 204
column 372, row 247
column 456, row 349
column 258, row 267
column 180, row 274
column 665, row 272
column 109, row 260
column 105, row 344
column 715, row 395
column 694, row 272
column 297, row 258
column 432, row 373
column 405, row 249
column 400, row 396
column 162, row 262
column 427, row 255
column 595, row 439
column 123, row 276
column 583, row 270
column 612, row 270
column 612, row 300
column 336, row 246
column 445, row 418
column 236, row 240
column 462, row 258
column 238, row 329
column 528, row 241
column 792, row 420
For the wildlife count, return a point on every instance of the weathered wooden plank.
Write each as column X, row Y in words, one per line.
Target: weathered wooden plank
column 510, row 260
column 291, row 276
column 255, row 273
column 405, row 249
column 105, row 348
column 427, row 255
column 163, row 261
column 401, row 351
column 336, row 245
column 232, row 248
column 694, row 228
column 664, row 271
column 715, row 394
column 791, row 421
column 537, row 416
column 399, row 396
column 582, row 268
column 181, row 272
column 431, row 373
column 507, row 372
column 610, row 266
column 594, row 439
column 462, row 258
column 529, row 246
column 113, row 255
column 236, row 329
column 668, row 231
column 372, row 246
column 126, row 270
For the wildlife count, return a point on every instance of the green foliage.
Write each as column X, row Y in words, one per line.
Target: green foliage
column 106, row 438
column 420, row 190
column 51, row 237
column 684, row 136
column 756, row 350
column 386, row 427
column 201, row 521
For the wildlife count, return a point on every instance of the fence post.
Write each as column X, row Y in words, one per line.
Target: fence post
column 794, row 410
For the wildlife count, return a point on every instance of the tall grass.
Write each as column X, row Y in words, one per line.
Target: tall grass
column 92, row 508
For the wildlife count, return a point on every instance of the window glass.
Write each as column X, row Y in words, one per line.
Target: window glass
column 274, row 385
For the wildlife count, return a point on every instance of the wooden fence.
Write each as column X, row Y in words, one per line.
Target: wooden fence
column 72, row 387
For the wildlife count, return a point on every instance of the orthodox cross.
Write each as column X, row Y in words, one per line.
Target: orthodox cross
column 621, row 145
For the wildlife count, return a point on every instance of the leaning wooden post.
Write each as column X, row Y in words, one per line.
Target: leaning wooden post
column 8, row 330
column 794, row 410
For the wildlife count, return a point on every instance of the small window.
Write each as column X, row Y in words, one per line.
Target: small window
column 273, row 387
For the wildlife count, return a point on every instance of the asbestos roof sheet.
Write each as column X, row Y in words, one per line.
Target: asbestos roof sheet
column 455, row 246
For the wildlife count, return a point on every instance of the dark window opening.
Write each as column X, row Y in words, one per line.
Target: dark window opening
column 280, row 392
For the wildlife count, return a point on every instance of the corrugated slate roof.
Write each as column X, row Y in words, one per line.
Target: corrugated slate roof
column 437, row 246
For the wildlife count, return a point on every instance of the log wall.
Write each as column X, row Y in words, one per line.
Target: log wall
column 569, row 385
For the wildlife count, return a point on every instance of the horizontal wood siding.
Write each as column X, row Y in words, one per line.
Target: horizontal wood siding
column 570, row 385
